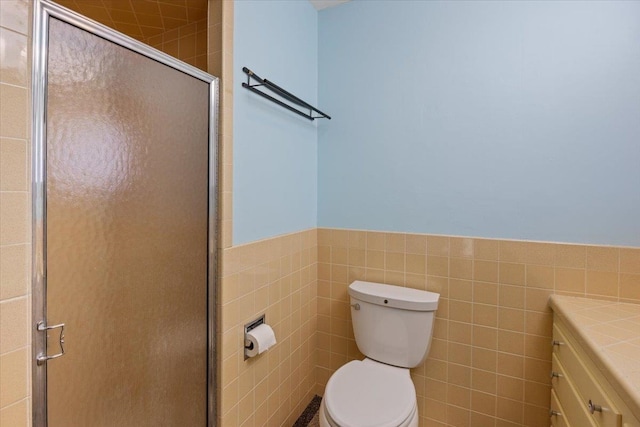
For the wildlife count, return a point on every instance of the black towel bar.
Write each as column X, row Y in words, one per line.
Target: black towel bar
column 288, row 96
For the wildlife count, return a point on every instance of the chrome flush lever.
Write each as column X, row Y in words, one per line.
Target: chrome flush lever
column 42, row 327
column 356, row 306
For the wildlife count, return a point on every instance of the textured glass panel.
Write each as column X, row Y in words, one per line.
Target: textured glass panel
column 127, row 192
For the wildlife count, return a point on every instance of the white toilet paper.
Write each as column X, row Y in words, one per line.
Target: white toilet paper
column 259, row 340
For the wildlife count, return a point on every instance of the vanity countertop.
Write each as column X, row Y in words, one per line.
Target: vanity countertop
column 609, row 332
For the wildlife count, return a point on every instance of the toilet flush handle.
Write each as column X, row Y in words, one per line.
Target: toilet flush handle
column 356, row 306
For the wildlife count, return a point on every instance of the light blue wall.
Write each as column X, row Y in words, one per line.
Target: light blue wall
column 274, row 151
column 491, row 119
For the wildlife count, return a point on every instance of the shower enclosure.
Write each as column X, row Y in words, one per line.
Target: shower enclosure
column 124, row 230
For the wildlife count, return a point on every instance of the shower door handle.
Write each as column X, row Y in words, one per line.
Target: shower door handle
column 42, row 327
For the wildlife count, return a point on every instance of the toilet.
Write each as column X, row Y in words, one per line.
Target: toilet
column 392, row 327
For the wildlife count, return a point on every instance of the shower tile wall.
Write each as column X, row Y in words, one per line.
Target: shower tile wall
column 490, row 358
column 221, row 64
column 277, row 277
column 15, row 215
column 141, row 19
column 187, row 43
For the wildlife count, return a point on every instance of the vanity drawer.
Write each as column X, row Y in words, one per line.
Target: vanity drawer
column 575, row 411
column 558, row 417
column 588, row 388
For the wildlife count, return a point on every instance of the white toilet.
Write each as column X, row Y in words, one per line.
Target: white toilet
column 392, row 327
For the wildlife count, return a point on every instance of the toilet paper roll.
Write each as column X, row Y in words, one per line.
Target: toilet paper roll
column 259, row 339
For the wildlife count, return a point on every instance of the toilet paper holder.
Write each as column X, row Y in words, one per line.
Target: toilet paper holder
column 248, row 345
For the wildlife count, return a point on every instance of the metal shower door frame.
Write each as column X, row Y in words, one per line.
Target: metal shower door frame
column 43, row 11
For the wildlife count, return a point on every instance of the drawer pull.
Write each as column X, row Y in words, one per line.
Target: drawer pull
column 593, row 407
column 553, row 413
column 555, row 374
column 556, row 343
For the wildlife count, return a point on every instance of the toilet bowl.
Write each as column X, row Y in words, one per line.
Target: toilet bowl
column 392, row 327
column 366, row 393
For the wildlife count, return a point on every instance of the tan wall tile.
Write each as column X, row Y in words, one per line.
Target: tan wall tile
column 510, row 319
column 375, row 259
column 394, row 261
column 540, row 253
column 512, row 296
column 484, row 405
column 460, row 311
column 603, row 283
column 14, row 270
column 630, row 260
column 513, row 251
column 484, row 337
column 537, row 370
column 14, row 112
column 485, row 315
column 485, row 293
column 457, row 416
column 459, row 353
column 538, row 276
column 484, row 359
column 485, row 249
column 14, row 320
column 630, row 286
column 460, row 290
column 602, row 258
column 510, row 342
column 461, row 247
column 570, row 280
column 483, row 381
column 510, row 387
column 535, row 415
column 416, row 244
column 459, row 375
column 461, row 268
column 14, row 376
column 571, row 256
column 16, row 415
column 438, row 245
column 13, row 165
column 485, row 271
column 510, row 364
column 14, row 227
column 510, row 410
column 536, row 393
column 437, row 265
column 538, row 323
column 14, row 15
column 512, row 274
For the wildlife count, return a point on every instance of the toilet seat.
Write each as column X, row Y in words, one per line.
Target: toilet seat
column 370, row 394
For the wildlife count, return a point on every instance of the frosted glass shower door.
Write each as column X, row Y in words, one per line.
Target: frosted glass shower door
column 127, row 216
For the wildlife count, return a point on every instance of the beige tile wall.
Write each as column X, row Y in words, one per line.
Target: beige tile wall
column 15, row 218
column 188, row 43
column 490, row 357
column 277, row 277
column 221, row 64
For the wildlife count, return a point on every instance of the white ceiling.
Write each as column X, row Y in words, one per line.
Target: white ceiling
column 323, row 4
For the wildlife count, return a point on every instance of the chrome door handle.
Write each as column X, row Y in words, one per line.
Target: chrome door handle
column 42, row 327
column 592, row 407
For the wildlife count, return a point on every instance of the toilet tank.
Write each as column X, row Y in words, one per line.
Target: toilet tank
column 392, row 324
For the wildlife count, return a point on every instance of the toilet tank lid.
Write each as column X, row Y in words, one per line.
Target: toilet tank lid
column 394, row 296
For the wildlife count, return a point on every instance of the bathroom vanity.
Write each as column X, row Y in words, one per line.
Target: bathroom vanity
column 595, row 372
